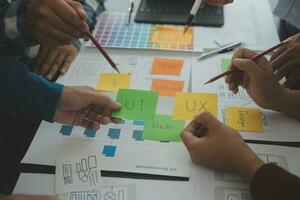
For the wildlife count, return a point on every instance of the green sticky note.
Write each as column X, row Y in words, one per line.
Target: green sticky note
column 136, row 104
column 163, row 128
column 225, row 63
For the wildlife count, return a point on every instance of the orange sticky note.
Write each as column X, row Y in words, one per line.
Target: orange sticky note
column 166, row 66
column 167, row 87
column 172, row 36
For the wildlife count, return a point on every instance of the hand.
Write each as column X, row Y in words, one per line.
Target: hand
column 214, row 145
column 257, row 78
column 286, row 61
column 55, row 22
column 27, row 197
column 85, row 107
column 218, row 2
column 52, row 60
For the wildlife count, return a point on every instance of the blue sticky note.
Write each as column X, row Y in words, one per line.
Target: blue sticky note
column 109, row 151
column 114, row 133
column 89, row 133
column 66, row 130
column 138, row 135
column 139, row 122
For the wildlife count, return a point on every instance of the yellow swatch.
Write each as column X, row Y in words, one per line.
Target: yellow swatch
column 112, row 82
column 187, row 105
column 171, row 35
column 244, row 119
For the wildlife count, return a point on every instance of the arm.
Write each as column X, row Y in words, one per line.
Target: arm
column 271, row 182
column 26, row 93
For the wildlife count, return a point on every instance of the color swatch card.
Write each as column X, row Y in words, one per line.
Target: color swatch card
column 164, row 66
column 244, row 119
column 167, row 87
column 112, row 82
column 187, row 105
column 114, row 32
column 136, row 104
column 163, row 128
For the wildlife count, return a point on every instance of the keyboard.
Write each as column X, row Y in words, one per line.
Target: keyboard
column 176, row 12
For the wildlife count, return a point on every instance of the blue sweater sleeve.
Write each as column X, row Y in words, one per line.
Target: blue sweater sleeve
column 26, row 93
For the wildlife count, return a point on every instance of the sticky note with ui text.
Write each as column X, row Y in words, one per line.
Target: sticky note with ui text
column 172, row 35
column 164, row 66
column 136, row 104
column 187, row 105
column 112, row 82
column 244, row 119
column 163, row 128
column 167, row 87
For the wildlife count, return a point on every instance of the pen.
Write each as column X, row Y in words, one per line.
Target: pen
column 130, row 10
column 219, row 50
column 195, row 8
column 103, row 52
column 230, row 71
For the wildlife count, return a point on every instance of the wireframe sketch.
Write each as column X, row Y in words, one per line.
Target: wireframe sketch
column 67, row 174
column 87, row 172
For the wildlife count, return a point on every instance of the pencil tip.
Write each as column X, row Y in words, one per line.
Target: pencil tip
column 185, row 29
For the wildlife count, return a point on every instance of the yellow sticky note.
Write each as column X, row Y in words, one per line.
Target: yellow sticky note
column 244, row 119
column 112, row 82
column 187, row 105
column 172, row 36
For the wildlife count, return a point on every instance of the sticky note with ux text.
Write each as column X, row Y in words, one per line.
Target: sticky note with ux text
column 136, row 104
column 112, row 82
column 172, row 36
column 244, row 119
column 164, row 66
column 167, row 87
column 187, row 105
column 163, row 128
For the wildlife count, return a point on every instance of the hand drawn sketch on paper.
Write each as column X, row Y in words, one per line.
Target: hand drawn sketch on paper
column 67, row 174
column 86, row 170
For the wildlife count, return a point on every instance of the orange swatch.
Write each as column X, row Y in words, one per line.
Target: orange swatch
column 167, row 66
column 167, row 87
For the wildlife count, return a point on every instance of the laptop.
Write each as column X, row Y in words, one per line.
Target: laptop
column 177, row 12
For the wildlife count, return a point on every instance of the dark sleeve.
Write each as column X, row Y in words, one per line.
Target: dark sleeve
column 26, row 93
column 274, row 183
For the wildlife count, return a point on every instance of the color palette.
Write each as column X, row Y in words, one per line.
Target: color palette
column 113, row 32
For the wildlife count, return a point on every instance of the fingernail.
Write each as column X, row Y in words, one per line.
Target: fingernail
column 49, row 77
column 62, row 71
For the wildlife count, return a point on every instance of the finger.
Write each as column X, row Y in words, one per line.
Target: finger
column 190, row 140
column 292, row 79
column 278, row 52
column 89, row 124
column 104, row 105
column 44, row 39
column 67, row 63
column 57, row 34
column 281, row 59
column 243, row 53
column 286, row 69
column 68, row 14
column 246, row 81
column 43, row 52
column 47, row 62
column 116, row 120
column 55, row 66
column 78, row 9
column 247, row 65
column 207, row 120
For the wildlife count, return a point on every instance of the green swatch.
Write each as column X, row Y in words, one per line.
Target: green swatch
column 225, row 63
column 163, row 128
column 136, row 104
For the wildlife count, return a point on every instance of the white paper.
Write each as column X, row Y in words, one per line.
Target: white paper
column 277, row 126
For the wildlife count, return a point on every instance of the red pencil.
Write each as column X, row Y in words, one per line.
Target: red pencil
column 230, row 71
column 103, row 52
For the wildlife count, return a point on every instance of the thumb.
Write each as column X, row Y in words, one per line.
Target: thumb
column 246, row 65
column 78, row 9
column 207, row 120
column 105, row 105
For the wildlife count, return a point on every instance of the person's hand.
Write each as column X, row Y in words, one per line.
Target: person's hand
column 218, row 2
column 257, row 78
column 213, row 145
column 52, row 60
column 55, row 22
column 286, row 61
column 85, row 107
column 27, row 197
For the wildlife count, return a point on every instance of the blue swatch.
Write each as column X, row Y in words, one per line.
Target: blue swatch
column 66, row 130
column 89, row 133
column 109, row 151
column 137, row 135
column 114, row 133
column 139, row 122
